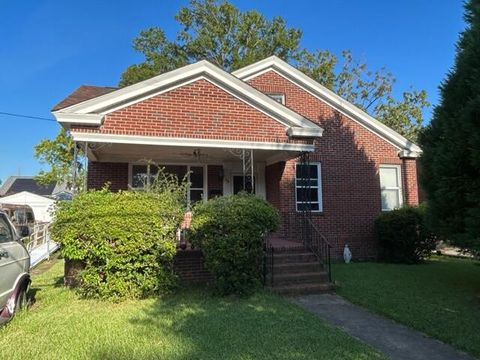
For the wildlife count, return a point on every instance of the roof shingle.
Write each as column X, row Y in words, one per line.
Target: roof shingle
column 16, row 184
column 83, row 93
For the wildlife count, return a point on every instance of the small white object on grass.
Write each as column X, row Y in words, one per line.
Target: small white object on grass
column 347, row 254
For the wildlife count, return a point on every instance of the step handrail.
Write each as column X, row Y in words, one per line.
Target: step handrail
column 318, row 244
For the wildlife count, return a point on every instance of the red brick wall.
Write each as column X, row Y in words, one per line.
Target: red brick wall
column 350, row 156
column 189, row 265
column 410, row 186
column 100, row 173
column 197, row 110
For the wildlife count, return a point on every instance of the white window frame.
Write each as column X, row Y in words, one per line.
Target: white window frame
column 189, row 165
column 318, row 187
column 276, row 97
column 399, row 188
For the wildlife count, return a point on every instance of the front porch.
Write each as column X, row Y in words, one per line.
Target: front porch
column 222, row 168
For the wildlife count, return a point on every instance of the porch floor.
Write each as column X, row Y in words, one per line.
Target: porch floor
column 277, row 242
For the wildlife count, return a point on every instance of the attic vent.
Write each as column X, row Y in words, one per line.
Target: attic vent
column 278, row 97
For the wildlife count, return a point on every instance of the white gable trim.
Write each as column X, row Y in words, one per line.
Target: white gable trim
column 188, row 142
column 103, row 104
column 84, row 119
column 321, row 92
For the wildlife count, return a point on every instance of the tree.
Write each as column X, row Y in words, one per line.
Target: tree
column 59, row 155
column 229, row 38
column 451, row 144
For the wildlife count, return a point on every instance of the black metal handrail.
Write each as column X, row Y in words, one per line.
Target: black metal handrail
column 268, row 260
column 317, row 243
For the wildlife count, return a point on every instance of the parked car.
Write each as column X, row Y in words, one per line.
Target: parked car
column 14, row 270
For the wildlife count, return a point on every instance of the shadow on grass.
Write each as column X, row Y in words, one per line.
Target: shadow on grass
column 197, row 325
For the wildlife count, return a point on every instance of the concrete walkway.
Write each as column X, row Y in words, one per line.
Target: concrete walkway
column 394, row 340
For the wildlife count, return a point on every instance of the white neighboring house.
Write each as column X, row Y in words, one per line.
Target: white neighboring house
column 41, row 206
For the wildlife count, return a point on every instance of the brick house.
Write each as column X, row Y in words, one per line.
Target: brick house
column 250, row 129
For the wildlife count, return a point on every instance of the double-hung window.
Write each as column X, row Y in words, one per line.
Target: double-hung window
column 391, row 187
column 308, row 187
column 144, row 175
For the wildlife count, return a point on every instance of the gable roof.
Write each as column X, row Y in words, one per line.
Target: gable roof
column 83, row 93
column 409, row 149
column 16, row 184
column 91, row 112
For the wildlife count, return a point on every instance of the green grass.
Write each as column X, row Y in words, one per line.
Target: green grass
column 440, row 297
column 188, row 325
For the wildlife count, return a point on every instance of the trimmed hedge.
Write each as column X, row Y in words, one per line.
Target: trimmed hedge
column 125, row 239
column 230, row 231
column 404, row 236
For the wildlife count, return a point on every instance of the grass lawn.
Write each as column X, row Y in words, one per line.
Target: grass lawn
column 188, row 325
column 440, row 297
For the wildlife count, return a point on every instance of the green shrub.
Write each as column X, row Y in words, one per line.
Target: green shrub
column 230, row 232
column 125, row 239
column 404, row 236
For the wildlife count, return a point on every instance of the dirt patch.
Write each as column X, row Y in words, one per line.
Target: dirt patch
column 46, row 265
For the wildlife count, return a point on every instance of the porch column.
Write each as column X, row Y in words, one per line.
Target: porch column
column 410, row 181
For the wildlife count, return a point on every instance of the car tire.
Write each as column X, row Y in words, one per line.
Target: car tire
column 21, row 300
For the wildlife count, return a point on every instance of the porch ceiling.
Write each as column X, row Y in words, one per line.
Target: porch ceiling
column 114, row 152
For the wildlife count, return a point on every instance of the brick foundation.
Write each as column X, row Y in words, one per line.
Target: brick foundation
column 187, row 264
column 190, row 268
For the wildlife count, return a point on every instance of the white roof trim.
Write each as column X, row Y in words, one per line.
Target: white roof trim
column 318, row 90
column 82, row 119
column 119, row 98
column 304, row 132
column 188, row 142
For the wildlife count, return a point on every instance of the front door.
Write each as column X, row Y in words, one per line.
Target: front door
column 238, row 184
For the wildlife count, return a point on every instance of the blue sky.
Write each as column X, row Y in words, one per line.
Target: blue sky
column 48, row 48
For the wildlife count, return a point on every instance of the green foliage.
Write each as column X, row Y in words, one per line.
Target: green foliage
column 404, row 236
column 230, row 231
column 451, row 144
column 58, row 154
column 231, row 39
column 125, row 239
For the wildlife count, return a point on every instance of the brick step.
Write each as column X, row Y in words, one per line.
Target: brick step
column 293, row 257
column 296, row 267
column 317, row 277
column 293, row 250
column 303, row 289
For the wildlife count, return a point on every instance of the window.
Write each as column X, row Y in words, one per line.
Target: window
column 195, row 180
column 278, row 98
column 142, row 175
column 308, row 187
column 391, row 187
column 5, row 230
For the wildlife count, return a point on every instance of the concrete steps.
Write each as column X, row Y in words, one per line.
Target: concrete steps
column 298, row 272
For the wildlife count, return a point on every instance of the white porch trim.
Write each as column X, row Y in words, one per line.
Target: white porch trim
column 188, row 142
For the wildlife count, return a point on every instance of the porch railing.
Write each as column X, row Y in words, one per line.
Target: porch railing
column 38, row 237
